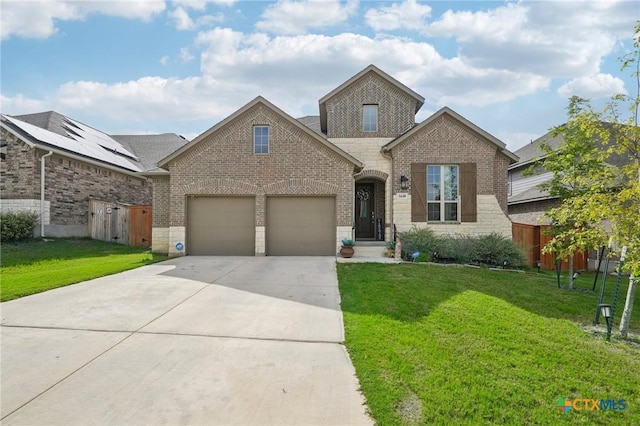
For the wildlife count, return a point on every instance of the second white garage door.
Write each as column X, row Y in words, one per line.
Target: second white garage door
column 301, row 226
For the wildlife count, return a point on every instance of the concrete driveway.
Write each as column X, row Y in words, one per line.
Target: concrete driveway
column 193, row 340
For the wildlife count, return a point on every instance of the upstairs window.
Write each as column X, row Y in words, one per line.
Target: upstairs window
column 261, row 139
column 370, row 118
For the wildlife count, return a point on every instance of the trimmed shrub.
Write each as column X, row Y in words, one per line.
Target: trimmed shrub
column 492, row 249
column 496, row 249
column 17, row 226
column 422, row 240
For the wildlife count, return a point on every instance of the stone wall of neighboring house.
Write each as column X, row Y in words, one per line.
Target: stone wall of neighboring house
column 69, row 184
column 396, row 109
column 446, row 141
column 224, row 164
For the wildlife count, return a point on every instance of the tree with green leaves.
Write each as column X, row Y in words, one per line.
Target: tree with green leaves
column 596, row 174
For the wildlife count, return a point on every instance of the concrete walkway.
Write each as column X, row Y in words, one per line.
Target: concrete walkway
column 193, row 340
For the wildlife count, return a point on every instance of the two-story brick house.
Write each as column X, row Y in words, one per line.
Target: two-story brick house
column 262, row 182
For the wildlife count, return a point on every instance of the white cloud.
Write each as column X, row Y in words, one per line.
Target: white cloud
column 202, row 4
column 185, row 55
column 296, row 17
column 164, row 60
column 299, row 65
column 409, row 14
column 553, row 39
column 594, row 86
column 36, row 19
column 181, row 19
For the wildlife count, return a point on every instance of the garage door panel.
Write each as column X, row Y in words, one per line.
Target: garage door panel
column 301, row 226
column 221, row 226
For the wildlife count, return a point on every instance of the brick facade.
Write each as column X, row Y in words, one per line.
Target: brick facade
column 224, row 163
column 20, row 171
column 446, row 141
column 69, row 183
column 396, row 109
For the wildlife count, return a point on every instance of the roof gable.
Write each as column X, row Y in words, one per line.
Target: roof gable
column 370, row 69
column 457, row 117
column 262, row 101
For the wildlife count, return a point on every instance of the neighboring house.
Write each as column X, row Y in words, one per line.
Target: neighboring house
column 528, row 202
column 79, row 163
column 262, row 182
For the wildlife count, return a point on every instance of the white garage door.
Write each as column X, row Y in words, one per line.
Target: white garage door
column 221, row 226
column 301, row 226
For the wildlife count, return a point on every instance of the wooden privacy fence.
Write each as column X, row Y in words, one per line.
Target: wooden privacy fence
column 120, row 223
column 533, row 238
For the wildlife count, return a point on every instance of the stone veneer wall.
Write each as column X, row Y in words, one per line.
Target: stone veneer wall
column 69, row 183
column 377, row 168
column 491, row 218
column 396, row 109
column 224, row 164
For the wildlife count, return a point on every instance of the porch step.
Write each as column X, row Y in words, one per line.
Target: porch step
column 370, row 250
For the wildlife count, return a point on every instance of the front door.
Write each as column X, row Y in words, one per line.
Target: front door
column 365, row 216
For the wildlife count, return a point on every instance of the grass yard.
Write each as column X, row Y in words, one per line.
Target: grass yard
column 442, row 345
column 35, row 266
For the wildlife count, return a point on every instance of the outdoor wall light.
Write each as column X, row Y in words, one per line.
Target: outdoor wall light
column 605, row 311
column 404, row 182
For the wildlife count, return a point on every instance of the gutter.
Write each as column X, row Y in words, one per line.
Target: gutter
column 42, row 192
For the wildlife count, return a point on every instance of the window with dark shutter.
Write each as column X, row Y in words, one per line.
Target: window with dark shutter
column 468, row 192
column 439, row 202
column 418, row 192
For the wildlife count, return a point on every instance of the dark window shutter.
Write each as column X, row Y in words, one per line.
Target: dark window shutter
column 468, row 192
column 418, row 192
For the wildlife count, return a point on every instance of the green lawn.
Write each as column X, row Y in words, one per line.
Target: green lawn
column 442, row 345
column 35, row 266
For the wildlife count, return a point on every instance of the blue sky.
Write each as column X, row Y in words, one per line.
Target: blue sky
column 127, row 67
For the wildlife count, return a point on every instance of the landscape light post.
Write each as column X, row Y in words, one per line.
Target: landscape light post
column 605, row 311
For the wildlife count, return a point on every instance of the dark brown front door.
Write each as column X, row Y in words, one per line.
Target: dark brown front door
column 365, row 217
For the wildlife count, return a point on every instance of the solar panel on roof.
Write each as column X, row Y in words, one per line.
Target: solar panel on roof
column 89, row 133
column 88, row 147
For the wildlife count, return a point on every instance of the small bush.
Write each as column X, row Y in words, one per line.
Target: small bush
column 17, row 226
column 492, row 249
column 422, row 240
column 495, row 249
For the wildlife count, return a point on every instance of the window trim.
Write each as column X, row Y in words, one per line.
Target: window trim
column 442, row 202
column 371, row 107
column 268, row 137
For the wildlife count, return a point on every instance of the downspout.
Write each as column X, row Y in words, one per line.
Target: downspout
column 42, row 192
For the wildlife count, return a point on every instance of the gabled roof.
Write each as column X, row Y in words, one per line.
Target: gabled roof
column 532, row 152
column 370, row 69
column 67, row 127
column 151, row 148
column 260, row 101
column 90, row 146
column 445, row 110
